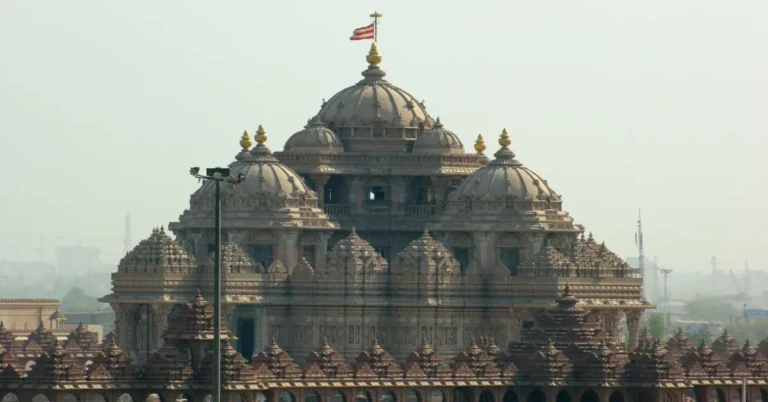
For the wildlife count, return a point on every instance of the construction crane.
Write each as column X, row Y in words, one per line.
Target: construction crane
column 747, row 278
column 740, row 294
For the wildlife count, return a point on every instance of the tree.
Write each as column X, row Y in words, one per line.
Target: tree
column 712, row 307
column 701, row 334
column 77, row 300
column 655, row 325
column 755, row 330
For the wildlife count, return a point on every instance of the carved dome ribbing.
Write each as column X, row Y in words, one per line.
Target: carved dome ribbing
column 315, row 137
column 438, row 140
column 373, row 100
column 157, row 254
column 264, row 176
column 504, row 177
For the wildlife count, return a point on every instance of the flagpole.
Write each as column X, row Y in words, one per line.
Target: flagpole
column 376, row 17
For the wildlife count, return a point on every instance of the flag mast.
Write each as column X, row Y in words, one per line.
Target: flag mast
column 376, row 17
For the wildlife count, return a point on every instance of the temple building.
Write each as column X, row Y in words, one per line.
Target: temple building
column 374, row 223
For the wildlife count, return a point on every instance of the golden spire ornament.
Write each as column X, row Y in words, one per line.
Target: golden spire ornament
column 261, row 135
column 373, row 58
column 480, row 144
column 504, row 140
column 245, row 141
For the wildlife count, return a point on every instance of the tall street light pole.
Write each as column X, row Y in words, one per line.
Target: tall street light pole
column 218, row 175
column 665, row 272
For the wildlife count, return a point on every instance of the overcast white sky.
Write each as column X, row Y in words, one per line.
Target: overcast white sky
column 104, row 105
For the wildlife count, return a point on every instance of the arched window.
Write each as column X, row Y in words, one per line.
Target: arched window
column 286, row 396
column 362, row 396
column 388, row 397
column 463, row 395
column 412, row 396
column 486, row 396
column 616, row 396
column 563, row 396
column 510, row 396
column 338, row 397
column 590, row 396
column 720, row 395
column 537, row 396
column 436, row 396
column 312, row 397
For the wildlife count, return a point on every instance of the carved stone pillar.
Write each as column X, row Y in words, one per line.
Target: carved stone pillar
column 288, row 251
column 439, row 184
column 612, row 324
column 319, row 181
column 397, row 195
column 160, row 314
column 633, row 327
column 199, row 247
column 356, row 196
column 143, row 332
column 227, row 312
column 120, row 325
column 485, row 253
column 535, row 242
column 321, row 251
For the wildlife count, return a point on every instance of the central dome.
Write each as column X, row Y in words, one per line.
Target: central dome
column 373, row 101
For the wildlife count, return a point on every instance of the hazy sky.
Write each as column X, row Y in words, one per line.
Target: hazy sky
column 104, row 106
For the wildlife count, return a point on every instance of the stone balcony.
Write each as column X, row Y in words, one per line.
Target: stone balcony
column 343, row 211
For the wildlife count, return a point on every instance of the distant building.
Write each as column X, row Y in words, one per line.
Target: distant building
column 80, row 259
column 23, row 315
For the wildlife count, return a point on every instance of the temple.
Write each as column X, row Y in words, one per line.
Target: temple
column 565, row 357
column 374, row 222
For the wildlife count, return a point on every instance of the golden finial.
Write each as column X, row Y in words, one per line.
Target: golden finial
column 261, row 135
column 373, row 58
column 504, row 140
column 480, row 144
column 245, row 141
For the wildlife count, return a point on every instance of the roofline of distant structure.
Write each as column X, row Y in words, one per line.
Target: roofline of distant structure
column 28, row 301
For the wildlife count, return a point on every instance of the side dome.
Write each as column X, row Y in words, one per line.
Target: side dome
column 353, row 251
column 266, row 179
column 426, row 255
column 438, row 140
column 374, row 101
column 158, row 254
column 505, row 179
column 315, row 137
column 268, row 194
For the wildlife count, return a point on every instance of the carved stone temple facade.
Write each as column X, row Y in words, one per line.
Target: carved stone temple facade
column 374, row 223
column 565, row 357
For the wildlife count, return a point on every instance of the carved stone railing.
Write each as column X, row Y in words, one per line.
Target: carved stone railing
column 337, row 209
column 425, row 211
column 377, row 209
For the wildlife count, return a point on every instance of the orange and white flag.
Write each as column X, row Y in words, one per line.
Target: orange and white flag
column 361, row 33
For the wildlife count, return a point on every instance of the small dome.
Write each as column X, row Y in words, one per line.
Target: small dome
column 158, row 253
column 257, row 181
column 438, row 140
column 504, row 177
column 373, row 100
column 353, row 249
column 427, row 255
column 234, row 260
column 315, row 137
column 268, row 181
